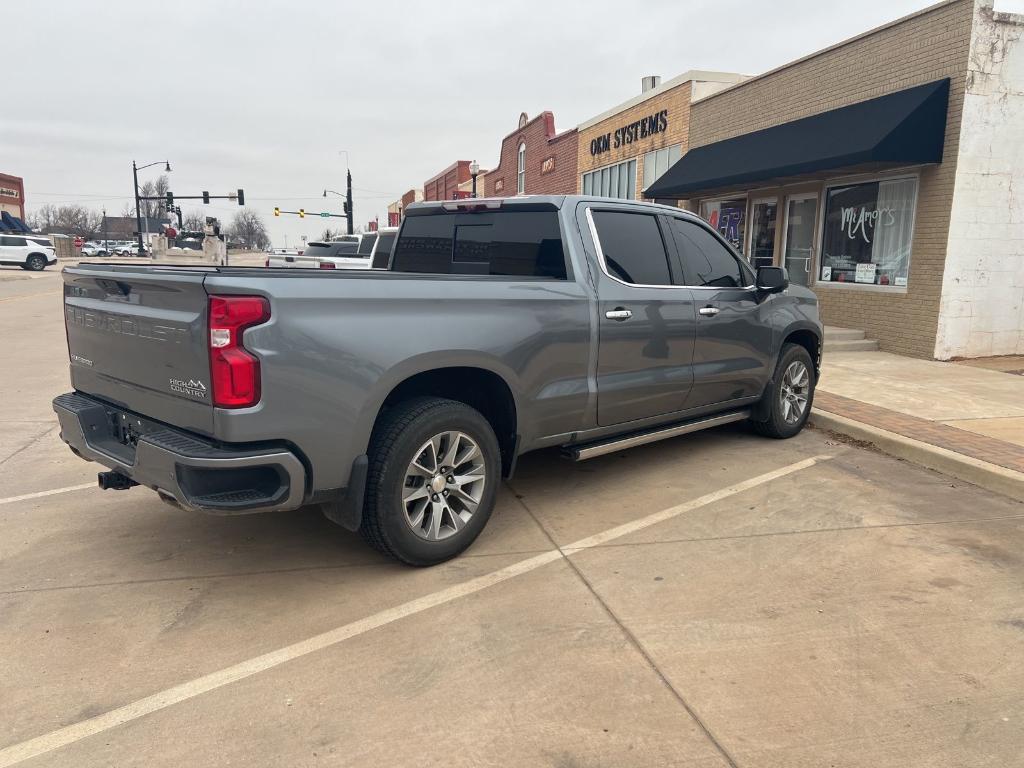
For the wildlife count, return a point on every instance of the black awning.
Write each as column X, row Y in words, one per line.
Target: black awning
column 902, row 128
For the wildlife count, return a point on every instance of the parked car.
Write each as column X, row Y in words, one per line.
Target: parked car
column 30, row 252
column 397, row 400
column 94, row 249
column 282, row 257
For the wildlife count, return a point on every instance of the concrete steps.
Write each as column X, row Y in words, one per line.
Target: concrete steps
column 847, row 340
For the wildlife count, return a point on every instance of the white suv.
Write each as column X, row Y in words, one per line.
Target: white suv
column 27, row 251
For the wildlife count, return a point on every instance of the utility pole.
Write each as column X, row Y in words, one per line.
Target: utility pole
column 348, row 201
column 106, row 245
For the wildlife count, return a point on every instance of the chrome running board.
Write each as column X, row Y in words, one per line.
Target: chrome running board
column 591, row 450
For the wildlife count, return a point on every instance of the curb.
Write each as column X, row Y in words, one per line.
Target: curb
column 966, row 468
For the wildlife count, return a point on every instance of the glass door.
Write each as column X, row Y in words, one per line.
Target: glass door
column 763, row 217
column 798, row 242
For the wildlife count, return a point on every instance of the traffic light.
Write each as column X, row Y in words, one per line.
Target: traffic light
column 302, row 213
column 170, row 201
column 241, row 197
column 277, row 211
column 206, row 197
column 344, row 207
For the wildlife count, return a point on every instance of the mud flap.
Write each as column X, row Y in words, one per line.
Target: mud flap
column 348, row 510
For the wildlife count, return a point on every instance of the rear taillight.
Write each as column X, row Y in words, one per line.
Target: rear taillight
column 234, row 371
column 326, row 265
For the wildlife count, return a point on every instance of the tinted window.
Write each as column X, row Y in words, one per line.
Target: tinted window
column 382, row 255
column 632, row 247
column 44, row 242
column 325, row 250
column 16, row 241
column 512, row 243
column 705, row 260
column 366, row 245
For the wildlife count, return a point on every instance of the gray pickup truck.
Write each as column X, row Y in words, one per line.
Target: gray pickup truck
column 397, row 400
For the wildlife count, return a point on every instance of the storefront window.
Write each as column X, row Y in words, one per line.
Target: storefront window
column 659, row 161
column 867, row 232
column 728, row 218
column 763, row 217
column 614, row 181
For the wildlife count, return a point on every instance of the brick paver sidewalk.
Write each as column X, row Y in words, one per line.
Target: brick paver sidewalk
column 960, row 441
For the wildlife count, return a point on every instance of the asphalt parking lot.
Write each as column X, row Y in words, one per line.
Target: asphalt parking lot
column 717, row 600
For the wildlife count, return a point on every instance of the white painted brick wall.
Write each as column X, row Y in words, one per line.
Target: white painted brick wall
column 981, row 311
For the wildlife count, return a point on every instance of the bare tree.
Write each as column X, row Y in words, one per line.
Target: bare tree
column 154, row 209
column 249, row 229
column 193, row 221
column 328, row 235
column 67, row 220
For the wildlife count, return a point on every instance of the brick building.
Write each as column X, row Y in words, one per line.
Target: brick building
column 534, row 160
column 922, row 248
column 623, row 150
column 12, row 195
column 396, row 209
column 445, row 185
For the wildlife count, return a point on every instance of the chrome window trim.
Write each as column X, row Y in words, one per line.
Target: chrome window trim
column 600, row 252
column 609, row 275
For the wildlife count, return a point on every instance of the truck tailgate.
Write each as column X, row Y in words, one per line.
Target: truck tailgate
column 137, row 338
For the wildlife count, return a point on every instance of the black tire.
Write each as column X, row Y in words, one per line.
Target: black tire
column 36, row 262
column 399, row 433
column 776, row 425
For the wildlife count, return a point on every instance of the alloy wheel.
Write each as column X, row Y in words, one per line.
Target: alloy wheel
column 794, row 392
column 444, row 484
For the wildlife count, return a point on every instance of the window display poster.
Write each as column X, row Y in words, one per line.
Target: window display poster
column 865, row 273
column 826, row 273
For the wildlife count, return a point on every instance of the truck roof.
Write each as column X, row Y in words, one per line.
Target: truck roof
column 527, row 202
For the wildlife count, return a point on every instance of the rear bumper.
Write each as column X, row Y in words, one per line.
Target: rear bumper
column 191, row 472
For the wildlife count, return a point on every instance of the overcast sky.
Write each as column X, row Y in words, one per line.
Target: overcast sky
column 263, row 95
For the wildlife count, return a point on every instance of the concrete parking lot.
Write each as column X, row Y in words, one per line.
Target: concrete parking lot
column 717, row 600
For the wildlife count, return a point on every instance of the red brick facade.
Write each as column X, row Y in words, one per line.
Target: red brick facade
column 445, row 185
column 13, row 204
column 551, row 160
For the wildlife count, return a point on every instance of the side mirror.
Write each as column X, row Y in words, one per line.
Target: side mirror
column 772, row 279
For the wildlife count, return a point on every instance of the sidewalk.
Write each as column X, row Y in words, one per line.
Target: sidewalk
column 966, row 421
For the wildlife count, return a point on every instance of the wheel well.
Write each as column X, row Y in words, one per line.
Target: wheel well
column 483, row 390
column 810, row 341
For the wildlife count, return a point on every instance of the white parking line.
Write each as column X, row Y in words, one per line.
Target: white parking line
column 62, row 737
column 51, row 492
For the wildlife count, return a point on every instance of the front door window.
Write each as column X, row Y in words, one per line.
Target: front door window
column 763, row 219
column 798, row 249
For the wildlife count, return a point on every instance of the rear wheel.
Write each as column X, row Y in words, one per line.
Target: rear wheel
column 35, row 263
column 790, row 394
column 434, row 471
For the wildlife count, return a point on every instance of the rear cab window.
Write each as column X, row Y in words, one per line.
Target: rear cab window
column 500, row 243
column 366, row 244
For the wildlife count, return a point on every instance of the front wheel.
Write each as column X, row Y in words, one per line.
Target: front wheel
column 790, row 394
column 433, row 478
column 35, row 263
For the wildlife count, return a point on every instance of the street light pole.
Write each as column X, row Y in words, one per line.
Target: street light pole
column 474, row 169
column 138, row 202
column 348, row 198
column 138, row 207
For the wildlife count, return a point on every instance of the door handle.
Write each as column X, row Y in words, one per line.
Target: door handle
column 618, row 314
column 709, row 311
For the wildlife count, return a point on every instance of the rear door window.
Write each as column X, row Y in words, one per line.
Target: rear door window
column 706, row 261
column 14, row 242
column 633, row 249
column 508, row 243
